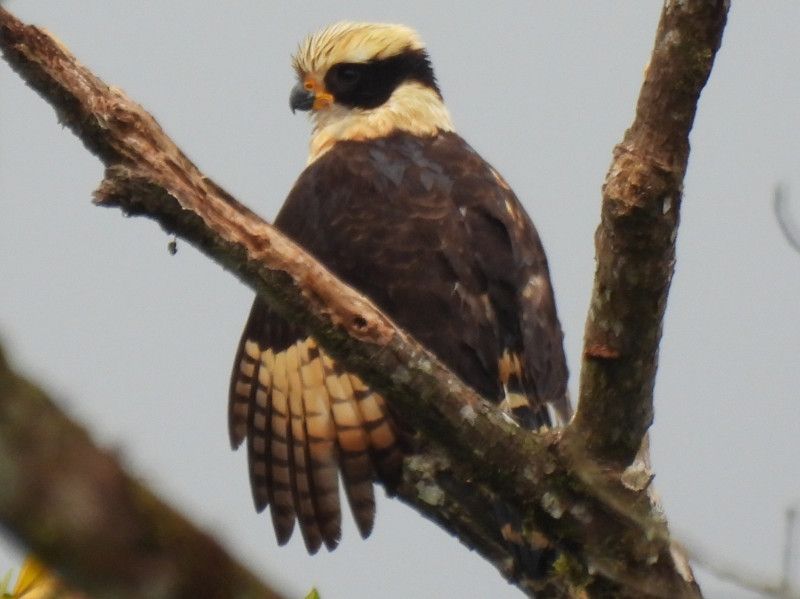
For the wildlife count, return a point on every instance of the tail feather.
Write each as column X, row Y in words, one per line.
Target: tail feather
column 305, row 420
column 281, row 484
column 518, row 401
column 530, row 413
column 386, row 453
column 354, row 452
column 302, row 482
column 241, row 390
column 320, row 446
column 530, row 561
column 257, row 428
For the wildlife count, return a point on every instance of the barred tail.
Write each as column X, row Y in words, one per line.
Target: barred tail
column 305, row 420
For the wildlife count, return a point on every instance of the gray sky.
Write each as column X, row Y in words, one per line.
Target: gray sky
column 139, row 344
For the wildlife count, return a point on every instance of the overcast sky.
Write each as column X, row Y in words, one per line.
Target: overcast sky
column 138, row 344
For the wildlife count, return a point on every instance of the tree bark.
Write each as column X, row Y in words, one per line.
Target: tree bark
column 576, row 490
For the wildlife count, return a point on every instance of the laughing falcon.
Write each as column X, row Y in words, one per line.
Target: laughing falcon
column 396, row 204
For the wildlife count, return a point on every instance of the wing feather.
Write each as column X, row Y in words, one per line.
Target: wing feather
column 281, row 496
column 258, row 433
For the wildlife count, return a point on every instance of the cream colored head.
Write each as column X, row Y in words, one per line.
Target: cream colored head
column 366, row 80
column 352, row 42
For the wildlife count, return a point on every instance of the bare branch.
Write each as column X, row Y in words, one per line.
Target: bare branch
column 635, row 241
column 75, row 507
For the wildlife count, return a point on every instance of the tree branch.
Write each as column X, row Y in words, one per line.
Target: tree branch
column 611, row 540
column 106, row 533
column 635, row 242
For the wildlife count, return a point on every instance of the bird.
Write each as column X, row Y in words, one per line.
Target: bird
column 396, row 204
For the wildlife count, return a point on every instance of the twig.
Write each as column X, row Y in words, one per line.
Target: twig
column 738, row 575
column 789, row 226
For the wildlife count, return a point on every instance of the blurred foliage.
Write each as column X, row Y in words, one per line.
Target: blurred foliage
column 35, row 582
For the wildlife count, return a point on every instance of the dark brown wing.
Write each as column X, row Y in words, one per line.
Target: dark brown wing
column 510, row 257
column 533, row 360
column 429, row 231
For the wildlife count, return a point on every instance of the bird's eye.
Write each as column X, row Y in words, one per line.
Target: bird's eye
column 348, row 75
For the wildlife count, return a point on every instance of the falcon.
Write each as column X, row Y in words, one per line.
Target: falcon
column 396, row 204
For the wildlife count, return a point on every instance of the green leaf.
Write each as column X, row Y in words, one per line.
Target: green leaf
column 313, row 594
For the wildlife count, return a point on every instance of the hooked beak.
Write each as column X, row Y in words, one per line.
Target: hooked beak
column 309, row 94
column 301, row 98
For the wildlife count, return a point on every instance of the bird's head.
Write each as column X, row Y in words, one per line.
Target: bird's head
column 366, row 80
